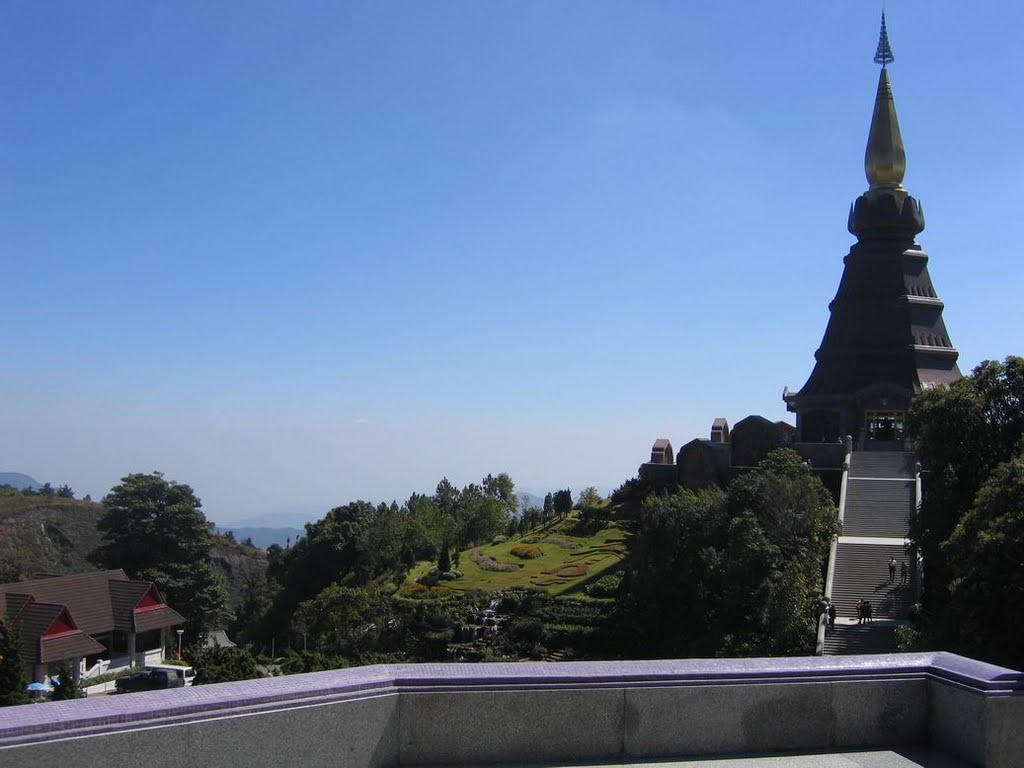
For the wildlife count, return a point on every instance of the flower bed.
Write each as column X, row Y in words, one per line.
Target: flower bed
column 569, row 570
column 526, row 551
column 488, row 563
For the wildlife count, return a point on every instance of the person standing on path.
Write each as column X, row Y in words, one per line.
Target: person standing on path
column 904, row 572
column 892, row 569
column 832, row 615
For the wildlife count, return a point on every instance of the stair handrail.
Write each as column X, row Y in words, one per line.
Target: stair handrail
column 830, row 572
column 913, row 554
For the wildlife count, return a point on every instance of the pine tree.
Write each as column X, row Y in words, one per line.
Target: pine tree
column 12, row 670
column 67, row 688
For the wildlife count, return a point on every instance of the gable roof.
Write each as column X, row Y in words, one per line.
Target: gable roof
column 85, row 594
column 124, row 596
column 89, row 604
column 48, row 633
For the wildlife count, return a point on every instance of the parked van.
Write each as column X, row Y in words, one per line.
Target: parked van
column 185, row 674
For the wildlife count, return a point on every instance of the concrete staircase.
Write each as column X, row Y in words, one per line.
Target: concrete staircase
column 862, row 573
column 879, row 500
column 878, row 508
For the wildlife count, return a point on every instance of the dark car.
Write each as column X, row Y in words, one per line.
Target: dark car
column 149, row 680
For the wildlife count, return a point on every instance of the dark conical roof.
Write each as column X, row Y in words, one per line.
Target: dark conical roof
column 885, row 340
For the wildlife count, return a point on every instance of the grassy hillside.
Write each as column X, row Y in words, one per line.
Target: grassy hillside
column 560, row 558
column 45, row 535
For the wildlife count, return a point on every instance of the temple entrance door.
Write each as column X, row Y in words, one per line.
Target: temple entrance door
column 884, row 426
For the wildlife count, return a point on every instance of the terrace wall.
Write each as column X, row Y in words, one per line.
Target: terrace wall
column 474, row 714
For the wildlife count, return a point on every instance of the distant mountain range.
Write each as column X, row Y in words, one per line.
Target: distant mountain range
column 262, row 537
column 19, row 480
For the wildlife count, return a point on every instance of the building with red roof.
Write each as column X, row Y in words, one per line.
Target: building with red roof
column 98, row 621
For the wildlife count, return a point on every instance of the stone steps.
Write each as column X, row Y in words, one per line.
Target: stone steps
column 889, row 465
column 878, row 508
column 847, row 639
column 862, row 573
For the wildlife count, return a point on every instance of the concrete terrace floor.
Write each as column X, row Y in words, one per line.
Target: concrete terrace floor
column 909, row 757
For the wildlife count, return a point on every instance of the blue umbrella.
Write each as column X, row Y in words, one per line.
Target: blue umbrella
column 38, row 688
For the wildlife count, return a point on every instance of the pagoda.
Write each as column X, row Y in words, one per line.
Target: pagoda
column 885, row 341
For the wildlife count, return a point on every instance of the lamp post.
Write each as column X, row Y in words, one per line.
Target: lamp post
column 180, row 633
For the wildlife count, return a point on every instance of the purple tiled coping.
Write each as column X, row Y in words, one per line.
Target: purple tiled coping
column 55, row 720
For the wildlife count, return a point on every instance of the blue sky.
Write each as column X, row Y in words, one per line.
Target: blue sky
column 295, row 254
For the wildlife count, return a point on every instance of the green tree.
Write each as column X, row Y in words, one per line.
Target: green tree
column 562, row 503
column 353, row 622
column 961, row 433
column 734, row 573
column 781, row 525
column 485, row 515
column 987, row 589
column 589, row 497
column 65, row 687
column 448, row 499
column 549, row 507
column 222, row 665
column 12, row 670
column 149, row 522
column 15, row 562
column 502, row 488
column 155, row 530
column 675, row 592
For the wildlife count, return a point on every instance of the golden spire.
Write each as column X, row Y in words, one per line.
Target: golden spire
column 885, row 162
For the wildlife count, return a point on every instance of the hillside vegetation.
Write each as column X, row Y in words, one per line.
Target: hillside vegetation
column 42, row 535
column 53, row 536
column 559, row 558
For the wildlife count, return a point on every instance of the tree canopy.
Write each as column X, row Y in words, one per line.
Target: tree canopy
column 150, row 523
column 12, row 670
column 969, row 438
column 155, row 530
column 735, row 572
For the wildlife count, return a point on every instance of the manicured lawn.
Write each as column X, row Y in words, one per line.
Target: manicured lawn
column 565, row 562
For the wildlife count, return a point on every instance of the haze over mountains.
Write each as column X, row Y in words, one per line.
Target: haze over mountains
column 278, row 526
column 19, row 480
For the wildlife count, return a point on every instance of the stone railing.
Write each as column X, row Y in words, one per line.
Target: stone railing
column 421, row 714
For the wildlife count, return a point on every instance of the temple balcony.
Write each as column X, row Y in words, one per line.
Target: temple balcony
column 954, row 710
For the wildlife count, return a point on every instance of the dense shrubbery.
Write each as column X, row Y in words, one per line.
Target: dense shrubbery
column 732, row 573
column 969, row 438
column 633, row 489
column 526, row 551
column 220, row 665
column 604, row 587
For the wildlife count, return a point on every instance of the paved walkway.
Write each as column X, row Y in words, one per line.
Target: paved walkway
column 881, row 758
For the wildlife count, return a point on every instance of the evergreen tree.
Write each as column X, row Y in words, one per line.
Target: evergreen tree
column 549, row 507
column 67, row 687
column 156, row 531
column 12, row 670
column 444, row 561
